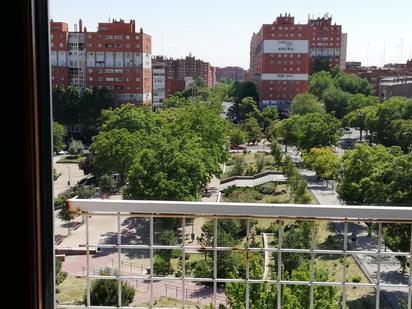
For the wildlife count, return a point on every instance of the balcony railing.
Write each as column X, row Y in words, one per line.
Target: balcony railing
column 278, row 213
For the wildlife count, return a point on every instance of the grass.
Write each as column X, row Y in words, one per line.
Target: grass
column 250, row 161
column 270, row 192
column 71, row 159
column 71, row 290
column 357, row 298
column 168, row 302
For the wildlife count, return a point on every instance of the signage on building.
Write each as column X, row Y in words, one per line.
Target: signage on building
column 286, row 46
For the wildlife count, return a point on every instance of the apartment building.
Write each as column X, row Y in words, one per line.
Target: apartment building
column 230, row 73
column 284, row 53
column 116, row 56
column 164, row 84
column 181, row 69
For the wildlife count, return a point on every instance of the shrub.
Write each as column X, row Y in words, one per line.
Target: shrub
column 356, row 279
column 103, row 292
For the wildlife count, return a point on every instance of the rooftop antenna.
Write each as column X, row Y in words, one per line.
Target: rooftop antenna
column 384, row 53
column 401, row 55
column 161, row 44
column 108, row 16
column 367, row 55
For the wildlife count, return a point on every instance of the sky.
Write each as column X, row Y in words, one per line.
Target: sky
column 219, row 31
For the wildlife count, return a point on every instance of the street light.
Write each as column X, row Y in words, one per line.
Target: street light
column 68, row 182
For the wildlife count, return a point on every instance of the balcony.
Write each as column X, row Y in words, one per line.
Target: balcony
column 189, row 291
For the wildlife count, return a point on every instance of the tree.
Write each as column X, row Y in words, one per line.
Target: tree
column 85, row 192
column 276, row 152
column 239, row 166
column 311, row 130
column 357, row 119
column 375, row 176
column 336, row 101
column 322, row 64
column 352, row 83
column 70, row 107
column 260, row 162
column 319, row 82
column 237, row 136
column 323, row 161
column 104, row 292
column 358, row 101
column 244, row 109
column 58, row 135
column 252, row 128
column 170, row 169
column 65, row 216
column 55, row 175
column 267, row 117
column 107, row 184
column 381, row 116
column 114, row 152
column 305, row 103
column 402, row 133
column 76, row 148
column 60, row 275
column 244, row 90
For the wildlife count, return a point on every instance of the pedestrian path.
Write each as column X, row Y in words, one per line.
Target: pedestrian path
column 390, row 266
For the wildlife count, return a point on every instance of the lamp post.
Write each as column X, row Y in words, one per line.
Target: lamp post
column 68, row 182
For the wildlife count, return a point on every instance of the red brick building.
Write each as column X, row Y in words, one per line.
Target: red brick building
column 230, row 73
column 115, row 56
column 163, row 83
column 283, row 54
column 189, row 66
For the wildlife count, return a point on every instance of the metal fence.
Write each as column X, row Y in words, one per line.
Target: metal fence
column 215, row 211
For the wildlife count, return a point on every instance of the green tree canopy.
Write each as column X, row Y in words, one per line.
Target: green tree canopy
column 352, row 83
column 305, row 103
column 252, row 128
column 310, row 130
column 238, row 136
column 375, row 176
column 245, row 109
column 336, row 101
column 319, row 82
column 323, row 161
column 357, row 101
column 58, row 135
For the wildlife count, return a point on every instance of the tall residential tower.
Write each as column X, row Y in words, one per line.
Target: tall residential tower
column 284, row 53
column 115, row 56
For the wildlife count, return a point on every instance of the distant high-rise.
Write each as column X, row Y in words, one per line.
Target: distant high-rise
column 116, row 57
column 283, row 54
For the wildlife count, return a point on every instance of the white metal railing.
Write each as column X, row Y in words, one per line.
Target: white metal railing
column 246, row 211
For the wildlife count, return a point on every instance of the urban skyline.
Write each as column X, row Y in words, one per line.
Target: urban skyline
column 384, row 37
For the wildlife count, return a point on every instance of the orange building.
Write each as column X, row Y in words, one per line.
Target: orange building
column 115, row 56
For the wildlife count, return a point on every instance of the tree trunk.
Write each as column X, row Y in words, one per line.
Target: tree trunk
column 360, row 135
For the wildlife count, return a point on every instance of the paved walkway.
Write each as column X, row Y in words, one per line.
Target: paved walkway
column 267, row 255
column 390, row 266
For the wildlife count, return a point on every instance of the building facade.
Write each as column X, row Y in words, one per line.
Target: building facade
column 115, row 56
column 284, row 53
column 164, row 84
column 230, row 73
column 395, row 86
column 181, row 69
